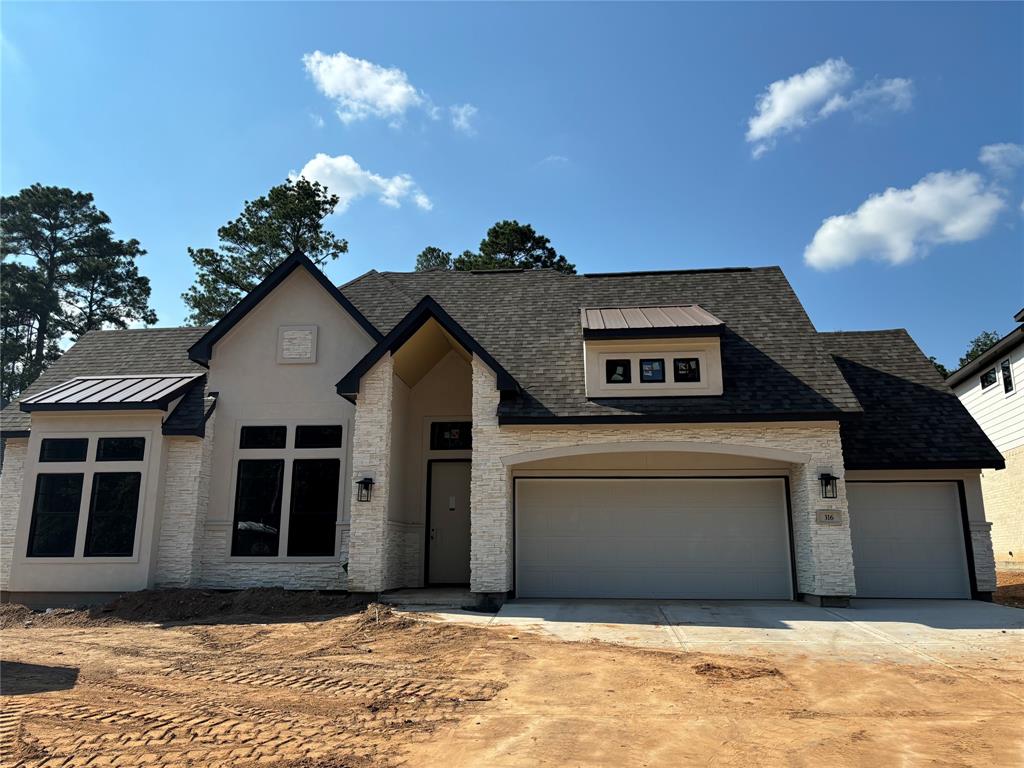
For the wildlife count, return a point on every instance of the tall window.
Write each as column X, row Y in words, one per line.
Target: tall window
column 1007, row 372
column 287, row 491
column 55, row 515
column 113, row 510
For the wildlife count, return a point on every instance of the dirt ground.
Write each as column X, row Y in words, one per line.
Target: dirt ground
column 197, row 679
column 1010, row 588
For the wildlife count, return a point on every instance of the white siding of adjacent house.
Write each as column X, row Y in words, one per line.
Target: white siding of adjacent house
column 1001, row 415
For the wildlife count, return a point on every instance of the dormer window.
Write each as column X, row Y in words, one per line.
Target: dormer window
column 674, row 351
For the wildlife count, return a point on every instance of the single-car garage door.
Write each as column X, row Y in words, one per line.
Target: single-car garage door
column 908, row 540
column 725, row 538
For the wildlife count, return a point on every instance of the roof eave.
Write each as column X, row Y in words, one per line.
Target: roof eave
column 202, row 351
column 681, row 332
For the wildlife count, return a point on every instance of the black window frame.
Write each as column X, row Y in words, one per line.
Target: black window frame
column 97, row 516
column 302, row 430
column 610, row 362
column 101, row 441
column 675, row 370
column 322, row 519
column 994, row 379
column 1006, row 369
column 36, row 515
column 240, row 499
column 46, row 442
column 255, row 429
column 640, row 369
column 438, row 442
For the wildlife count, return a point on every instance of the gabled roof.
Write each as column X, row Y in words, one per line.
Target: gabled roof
column 911, row 419
column 111, row 393
column 529, row 322
column 121, row 353
column 425, row 310
column 202, row 350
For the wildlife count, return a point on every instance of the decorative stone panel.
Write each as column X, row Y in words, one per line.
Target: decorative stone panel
column 371, row 569
column 11, row 481
column 824, row 555
column 1003, row 490
column 984, row 561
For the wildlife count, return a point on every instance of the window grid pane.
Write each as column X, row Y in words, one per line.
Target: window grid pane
column 451, row 435
column 652, row 370
column 257, row 524
column 113, row 510
column 686, row 369
column 63, row 448
column 54, row 527
column 618, row 371
column 318, row 436
column 120, row 448
column 262, row 437
column 314, row 507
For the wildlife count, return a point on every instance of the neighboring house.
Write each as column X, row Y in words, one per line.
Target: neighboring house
column 989, row 387
column 683, row 434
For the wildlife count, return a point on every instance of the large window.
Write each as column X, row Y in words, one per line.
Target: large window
column 314, row 507
column 55, row 515
column 258, row 507
column 113, row 510
column 287, row 490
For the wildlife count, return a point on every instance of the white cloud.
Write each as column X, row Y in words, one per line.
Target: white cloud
column 344, row 177
column 554, row 161
column 899, row 224
column 462, row 118
column 361, row 88
column 316, row 120
column 1002, row 159
column 794, row 103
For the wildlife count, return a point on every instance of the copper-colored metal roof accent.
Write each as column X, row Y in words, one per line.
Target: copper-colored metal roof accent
column 635, row 318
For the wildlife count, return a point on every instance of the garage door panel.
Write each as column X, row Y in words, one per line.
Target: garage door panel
column 652, row 538
column 908, row 540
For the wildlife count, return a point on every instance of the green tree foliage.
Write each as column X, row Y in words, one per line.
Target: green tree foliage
column 940, row 367
column 979, row 345
column 508, row 245
column 289, row 218
column 64, row 273
column 433, row 258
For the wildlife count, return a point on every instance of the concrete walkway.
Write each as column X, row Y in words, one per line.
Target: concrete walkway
column 901, row 630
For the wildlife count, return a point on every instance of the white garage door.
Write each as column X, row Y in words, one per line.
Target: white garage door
column 652, row 538
column 908, row 540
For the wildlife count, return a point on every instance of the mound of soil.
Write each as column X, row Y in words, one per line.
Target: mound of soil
column 174, row 605
column 1010, row 589
column 722, row 672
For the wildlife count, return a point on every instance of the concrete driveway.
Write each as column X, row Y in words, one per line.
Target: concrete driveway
column 898, row 630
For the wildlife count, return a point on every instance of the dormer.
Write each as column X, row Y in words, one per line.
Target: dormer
column 672, row 351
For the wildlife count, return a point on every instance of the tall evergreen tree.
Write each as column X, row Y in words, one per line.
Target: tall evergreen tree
column 508, row 245
column 64, row 273
column 289, row 217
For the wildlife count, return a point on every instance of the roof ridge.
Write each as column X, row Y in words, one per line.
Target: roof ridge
column 150, row 329
column 357, row 278
column 702, row 270
column 877, row 330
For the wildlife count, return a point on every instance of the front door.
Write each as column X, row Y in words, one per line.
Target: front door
column 448, row 534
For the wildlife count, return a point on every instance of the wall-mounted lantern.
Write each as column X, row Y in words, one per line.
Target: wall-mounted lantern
column 829, row 485
column 365, row 489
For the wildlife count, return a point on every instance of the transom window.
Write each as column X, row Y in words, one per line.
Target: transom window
column 451, row 435
column 78, row 494
column 652, row 367
column 287, row 491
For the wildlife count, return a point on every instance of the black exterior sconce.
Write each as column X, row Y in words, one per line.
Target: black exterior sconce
column 829, row 486
column 365, row 489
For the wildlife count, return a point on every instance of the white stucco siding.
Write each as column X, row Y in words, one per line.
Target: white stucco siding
column 256, row 388
column 999, row 413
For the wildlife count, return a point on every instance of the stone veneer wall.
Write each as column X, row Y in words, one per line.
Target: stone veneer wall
column 11, row 478
column 1003, row 490
column 374, row 565
column 186, row 493
column 984, row 562
column 824, row 553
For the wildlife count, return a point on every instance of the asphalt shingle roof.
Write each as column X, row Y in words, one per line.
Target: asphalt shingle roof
column 113, row 353
column 911, row 418
column 775, row 364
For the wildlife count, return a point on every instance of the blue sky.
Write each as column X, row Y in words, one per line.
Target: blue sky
column 635, row 136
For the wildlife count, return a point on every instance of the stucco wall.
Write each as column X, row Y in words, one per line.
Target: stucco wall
column 11, row 482
column 824, row 556
column 1004, row 506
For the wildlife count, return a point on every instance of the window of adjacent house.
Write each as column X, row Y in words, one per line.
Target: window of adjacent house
column 314, row 507
column 55, row 508
column 63, row 448
column 1004, row 367
column 617, row 372
column 262, row 437
column 257, row 524
column 685, row 369
column 451, row 436
column 988, row 378
column 652, row 370
column 120, row 448
column 318, row 436
column 113, row 510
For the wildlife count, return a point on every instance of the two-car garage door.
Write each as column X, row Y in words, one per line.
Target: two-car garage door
column 652, row 538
